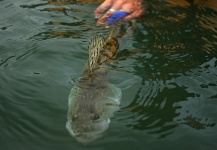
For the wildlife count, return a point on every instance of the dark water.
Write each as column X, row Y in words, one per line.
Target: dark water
column 173, row 51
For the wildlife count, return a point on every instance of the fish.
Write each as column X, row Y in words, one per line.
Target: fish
column 93, row 100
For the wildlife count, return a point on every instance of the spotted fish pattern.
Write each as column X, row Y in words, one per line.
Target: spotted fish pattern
column 95, row 47
column 101, row 49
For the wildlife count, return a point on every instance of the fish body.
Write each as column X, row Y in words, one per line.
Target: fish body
column 93, row 100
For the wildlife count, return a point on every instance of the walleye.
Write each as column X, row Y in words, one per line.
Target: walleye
column 93, row 100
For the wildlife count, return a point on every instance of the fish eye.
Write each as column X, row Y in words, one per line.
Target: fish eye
column 108, row 44
column 95, row 116
column 74, row 117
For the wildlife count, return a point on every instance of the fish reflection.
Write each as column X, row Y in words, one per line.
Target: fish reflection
column 94, row 100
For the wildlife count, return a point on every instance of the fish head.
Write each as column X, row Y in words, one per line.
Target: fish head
column 88, row 131
column 87, row 123
column 89, row 117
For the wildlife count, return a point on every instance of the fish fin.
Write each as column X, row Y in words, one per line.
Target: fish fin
column 110, row 48
column 101, row 50
column 112, row 33
column 95, row 47
column 125, row 81
column 129, row 83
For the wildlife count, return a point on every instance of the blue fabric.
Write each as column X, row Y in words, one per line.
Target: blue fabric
column 116, row 17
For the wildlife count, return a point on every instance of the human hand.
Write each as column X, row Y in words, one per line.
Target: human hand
column 126, row 10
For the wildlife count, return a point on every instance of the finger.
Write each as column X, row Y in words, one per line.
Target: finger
column 112, row 10
column 137, row 10
column 109, row 13
column 128, row 7
column 105, row 5
column 134, row 15
column 100, row 10
column 103, row 19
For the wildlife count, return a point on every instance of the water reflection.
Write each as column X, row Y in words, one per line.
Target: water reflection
column 197, row 123
column 168, row 42
column 172, row 49
column 201, row 3
column 67, row 19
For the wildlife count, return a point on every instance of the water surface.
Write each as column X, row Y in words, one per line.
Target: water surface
column 172, row 51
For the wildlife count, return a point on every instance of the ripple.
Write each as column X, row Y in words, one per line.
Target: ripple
column 172, row 50
column 160, row 107
column 27, row 111
column 204, row 88
column 149, row 109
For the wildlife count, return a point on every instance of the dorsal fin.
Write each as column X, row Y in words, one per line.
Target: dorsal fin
column 95, row 46
column 110, row 48
column 112, row 33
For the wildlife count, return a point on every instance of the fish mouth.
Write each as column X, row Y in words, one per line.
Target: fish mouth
column 87, row 137
column 95, row 130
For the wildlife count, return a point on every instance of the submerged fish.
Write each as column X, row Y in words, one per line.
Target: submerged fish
column 93, row 100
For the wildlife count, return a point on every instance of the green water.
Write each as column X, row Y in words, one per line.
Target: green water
column 172, row 51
